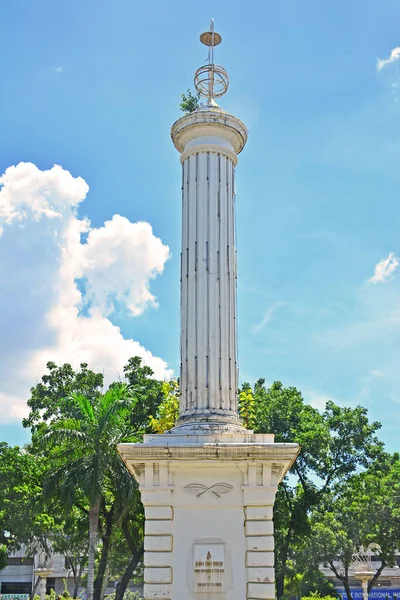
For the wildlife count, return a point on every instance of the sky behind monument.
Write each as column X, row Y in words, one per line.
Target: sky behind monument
column 94, row 87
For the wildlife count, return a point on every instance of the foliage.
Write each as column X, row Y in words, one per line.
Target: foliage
column 342, row 490
column 375, row 495
column 57, row 384
column 51, row 595
column 24, row 517
column 363, row 509
column 317, row 596
column 301, row 580
column 82, row 441
column 78, row 433
column 247, row 406
column 168, row 410
column 3, row 556
column 189, row 102
column 129, row 595
column 334, row 444
column 149, row 394
column 66, row 593
column 72, row 542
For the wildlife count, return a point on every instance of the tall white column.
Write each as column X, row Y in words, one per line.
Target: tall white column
column 209, row 141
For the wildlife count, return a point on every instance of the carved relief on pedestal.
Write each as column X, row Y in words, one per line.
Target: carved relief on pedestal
column 198, row 489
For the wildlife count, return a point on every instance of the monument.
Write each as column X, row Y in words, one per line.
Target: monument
column 208, row 486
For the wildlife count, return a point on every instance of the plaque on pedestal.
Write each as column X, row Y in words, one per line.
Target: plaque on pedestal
column 209, row 568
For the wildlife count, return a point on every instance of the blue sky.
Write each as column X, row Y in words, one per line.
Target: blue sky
column 94, row 87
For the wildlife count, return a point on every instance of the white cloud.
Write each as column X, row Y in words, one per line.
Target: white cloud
column 384, row 62
column 267, row 317
column 58, row 69
column 317, row 399
column 43, row 314
column 118, row 262
column 384, row 269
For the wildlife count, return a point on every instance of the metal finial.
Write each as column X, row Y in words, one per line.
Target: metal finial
column 211, row 80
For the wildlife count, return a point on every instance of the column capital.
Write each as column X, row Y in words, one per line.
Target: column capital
column 211, row 126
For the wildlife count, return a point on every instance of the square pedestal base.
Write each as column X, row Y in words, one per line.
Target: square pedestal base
column 208, row 503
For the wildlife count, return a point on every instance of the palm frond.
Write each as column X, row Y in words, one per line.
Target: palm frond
column 84, row 406
column 61, row 432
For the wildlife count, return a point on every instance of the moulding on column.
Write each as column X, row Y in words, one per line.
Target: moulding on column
column 209, row 148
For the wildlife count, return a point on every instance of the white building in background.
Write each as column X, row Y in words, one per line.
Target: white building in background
column 18, row 579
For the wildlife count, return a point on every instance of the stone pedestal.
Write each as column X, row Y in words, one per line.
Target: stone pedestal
column 208, row 503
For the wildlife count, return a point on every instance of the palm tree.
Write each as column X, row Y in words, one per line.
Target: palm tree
column 83, row 441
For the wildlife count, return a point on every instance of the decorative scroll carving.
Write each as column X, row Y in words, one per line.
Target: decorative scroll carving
column 217, row 489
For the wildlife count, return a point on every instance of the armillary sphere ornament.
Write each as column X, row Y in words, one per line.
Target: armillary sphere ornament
column 211, row 80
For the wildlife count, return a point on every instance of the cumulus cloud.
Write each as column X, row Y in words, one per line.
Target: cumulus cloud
column 118, row 262
column 44, row 314
column 384, row 62
column 384, row 269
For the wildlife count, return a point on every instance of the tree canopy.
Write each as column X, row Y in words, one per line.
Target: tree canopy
column 334, row 443
column 362, row 509
column 69, row 491
column 76, row 424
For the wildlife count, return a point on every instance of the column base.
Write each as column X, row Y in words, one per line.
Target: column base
column 209, row 421
column 208, row 503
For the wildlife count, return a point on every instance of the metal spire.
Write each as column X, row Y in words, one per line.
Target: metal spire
column 211, row 80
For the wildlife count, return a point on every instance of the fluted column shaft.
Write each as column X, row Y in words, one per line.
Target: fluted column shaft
column 209, row 141
column 208, row 286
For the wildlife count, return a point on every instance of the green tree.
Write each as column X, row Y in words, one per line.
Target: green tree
column 303, row 578
column 149, row 393
column 3, row 556
column 168, row 410
column 128, row 541
column 317, row 596
column 375, row 496
column 120, row 513
column 25, row 519
column 59, row 383
column 28, row 520
column 83, row 448
column 247, row 410
column 334, row 444
column 72, row 542
column 361, row 510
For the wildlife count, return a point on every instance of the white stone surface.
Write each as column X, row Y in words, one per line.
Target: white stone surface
column 208, row 485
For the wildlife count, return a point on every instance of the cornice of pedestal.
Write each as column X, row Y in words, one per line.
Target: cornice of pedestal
column 172, row 447
column 212, row 124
